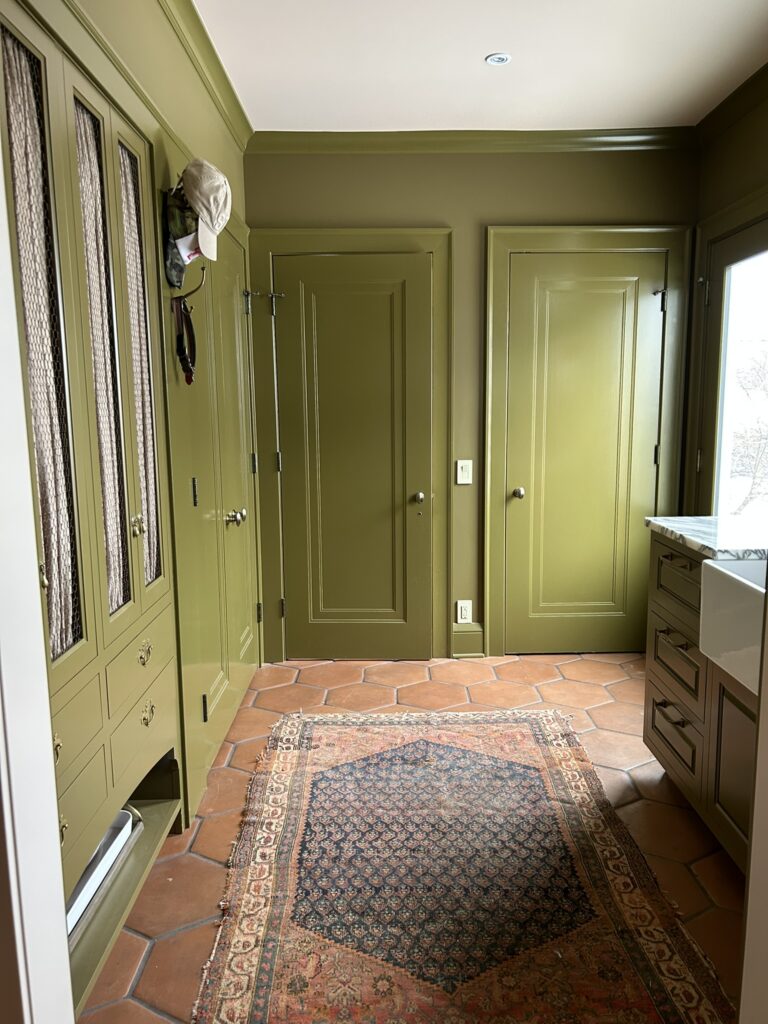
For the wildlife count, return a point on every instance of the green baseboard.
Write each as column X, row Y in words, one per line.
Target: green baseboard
column 468, row 641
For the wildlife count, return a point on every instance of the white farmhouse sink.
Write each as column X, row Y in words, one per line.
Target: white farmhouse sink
column 732, row 598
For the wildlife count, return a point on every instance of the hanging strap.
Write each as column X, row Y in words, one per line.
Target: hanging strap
column 186, row 347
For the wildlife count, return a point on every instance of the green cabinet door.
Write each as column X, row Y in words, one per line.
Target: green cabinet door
column 585, row 337
column 353, row 339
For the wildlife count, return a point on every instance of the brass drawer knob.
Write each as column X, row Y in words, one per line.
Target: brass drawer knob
column 148, row 713
column 63, row 826
column 145, row 652
column 57, row 745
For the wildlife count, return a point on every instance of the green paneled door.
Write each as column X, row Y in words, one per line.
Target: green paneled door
column 585, row 349
column 353, row 337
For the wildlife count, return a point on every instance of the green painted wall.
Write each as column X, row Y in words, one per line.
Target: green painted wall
column 467, row 192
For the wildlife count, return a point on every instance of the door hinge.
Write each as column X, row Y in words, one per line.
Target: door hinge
column 705, row 283
column 282, row 607
column 663, row 293
column 273, row 297
column 279, row 461
column 657, row 455
column 259, row 611
column 205, row 707
column 254, row 462
column 699, row 454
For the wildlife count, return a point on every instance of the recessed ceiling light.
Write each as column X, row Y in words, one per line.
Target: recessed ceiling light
column 497, row 59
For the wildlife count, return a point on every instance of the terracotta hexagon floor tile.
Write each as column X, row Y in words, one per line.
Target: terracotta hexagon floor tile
column 463, row 672
column 338, row 673
column 171, row 978
column 272, row 675
column 397, row 709
column 615, row 749
column 654, row 784
column 635, row 668
column 177, row 892
column 527, row 671
column 665, row 831
column 118, row 973
column 217, row 835
column 249, row 698
column 587, row 671
column 472, row 706
column 722, row 880
column 251, row 722
column 176, row 844
column 286, row 699
column 631, row 691
column 225, row 791
column 617, row 785
column 222, row 758
column 614, row 659
column 125, row 1012
column 247, row 754
column 361, row 697
column 578, row 720
column 431, row 695
column 502, row 694
column 396, row 673
column 298, row 663
column 678, row 884
column 573, row 694
column 719, row 933
column 494, row 660
column 550, row 659
column 618, row 717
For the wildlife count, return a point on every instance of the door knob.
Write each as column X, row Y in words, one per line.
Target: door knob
column 519, row 492
column 234, row 517
column 419, row 497
column 243, row 514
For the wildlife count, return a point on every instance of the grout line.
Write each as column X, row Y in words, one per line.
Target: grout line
column 188, row 927
column 156, row 1010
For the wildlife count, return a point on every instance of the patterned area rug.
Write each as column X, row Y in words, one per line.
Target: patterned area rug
column 452, row 868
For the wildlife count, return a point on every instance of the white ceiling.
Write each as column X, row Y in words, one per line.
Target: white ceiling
column 360, row 65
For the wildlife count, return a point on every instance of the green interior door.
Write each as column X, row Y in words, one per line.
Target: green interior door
column 353, row 339
column 585, row 347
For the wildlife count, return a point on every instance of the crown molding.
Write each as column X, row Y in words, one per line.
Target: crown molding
column 735, row 106
column 577, row 141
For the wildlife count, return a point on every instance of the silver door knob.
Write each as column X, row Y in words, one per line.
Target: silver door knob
column 243, row 514
column 419, row 497
column 519, row 492
column 234, row 517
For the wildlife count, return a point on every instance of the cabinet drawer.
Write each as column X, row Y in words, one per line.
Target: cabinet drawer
column 74, row 726
column 676, row 583
column 674, row 739
column 147, row 731
column 678, row 662
column 140, row 662
column 79, row 804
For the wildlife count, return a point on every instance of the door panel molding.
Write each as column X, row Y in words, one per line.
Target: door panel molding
column 503, row 243
column 265, row 244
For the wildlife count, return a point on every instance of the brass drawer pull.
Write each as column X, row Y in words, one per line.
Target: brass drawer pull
column 63, row 826
column 680, row 722
column 145, row 652
column 57, row 745
column 148, row 713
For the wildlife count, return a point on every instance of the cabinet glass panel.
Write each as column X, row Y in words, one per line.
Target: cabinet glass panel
column 104, row 353
column 46, row 367
column 141, row 361
column 741, row 478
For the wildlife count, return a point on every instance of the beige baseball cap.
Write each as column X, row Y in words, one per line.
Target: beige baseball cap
column 207, row 190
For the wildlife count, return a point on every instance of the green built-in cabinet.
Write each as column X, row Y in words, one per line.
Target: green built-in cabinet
column 83, row 227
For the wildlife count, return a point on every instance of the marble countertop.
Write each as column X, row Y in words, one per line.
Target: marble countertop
column 715, row 536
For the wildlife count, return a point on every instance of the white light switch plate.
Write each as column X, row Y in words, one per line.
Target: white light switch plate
column 464, row 471
column 463, row 611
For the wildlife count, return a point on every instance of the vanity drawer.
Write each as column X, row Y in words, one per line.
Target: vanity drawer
column 140, row 662
column 674, row 738
column 147, row 731
column 678, row 662
column 74, row 726
column 79, row 805
column 675, row 583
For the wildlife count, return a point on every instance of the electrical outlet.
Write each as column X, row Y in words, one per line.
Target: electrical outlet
column 463, row 611
column 464, row 471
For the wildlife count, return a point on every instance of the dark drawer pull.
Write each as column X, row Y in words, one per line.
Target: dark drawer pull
column 63, row 826
column 662, row 705
column 57, row 745
column 666, row 636
column 678, row 562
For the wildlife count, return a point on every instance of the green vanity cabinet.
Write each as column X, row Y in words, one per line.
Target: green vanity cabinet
column 85, row 260
column 700, row 722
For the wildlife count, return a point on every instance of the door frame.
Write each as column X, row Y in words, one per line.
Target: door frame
column 266, row 243
column 505, row 241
